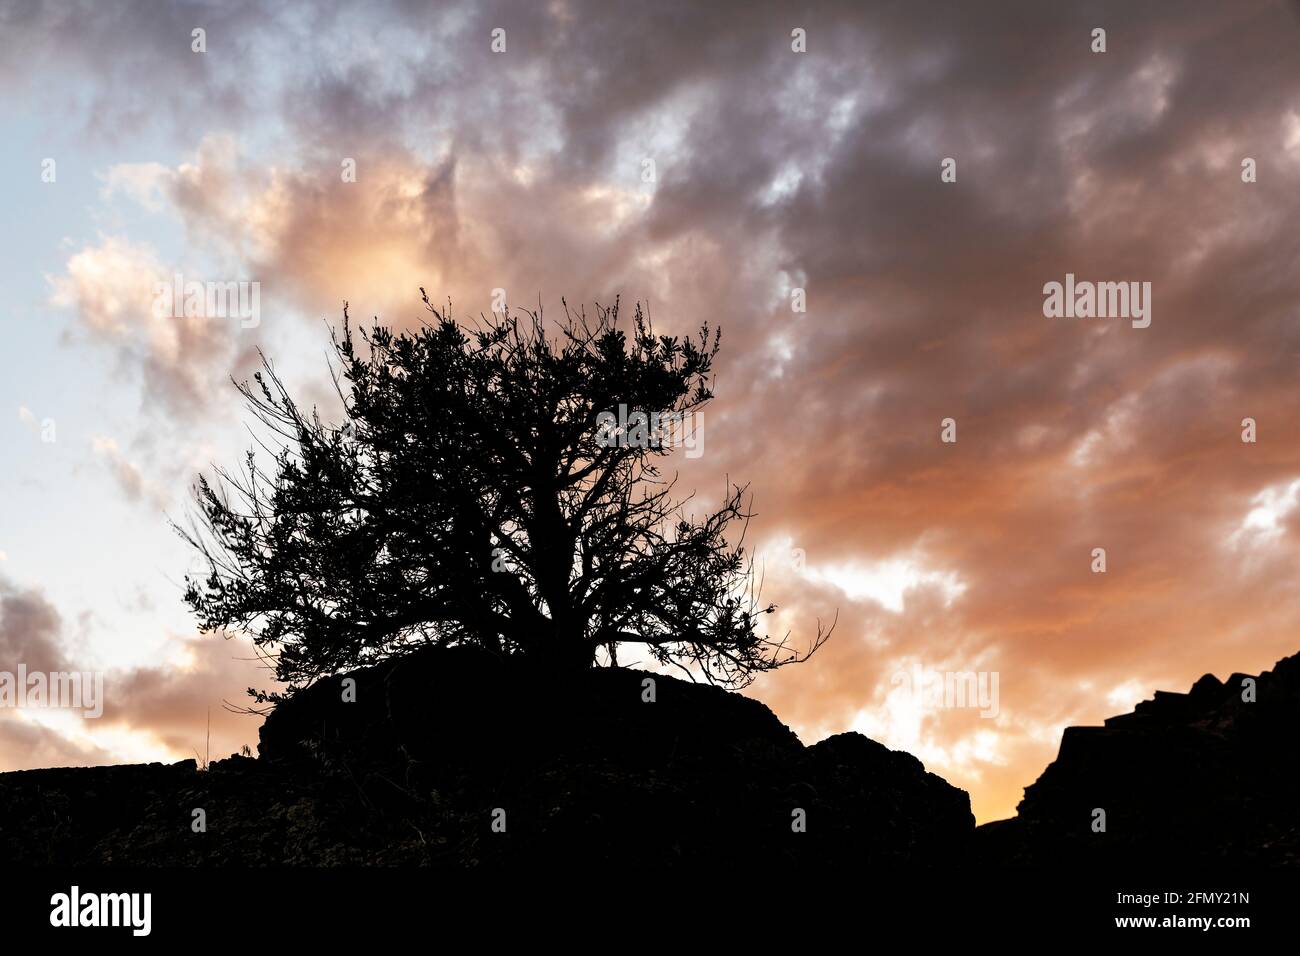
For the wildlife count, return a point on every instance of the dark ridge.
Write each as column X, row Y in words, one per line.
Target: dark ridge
column 586, row 770
column 589, row 773
column 1207, row 777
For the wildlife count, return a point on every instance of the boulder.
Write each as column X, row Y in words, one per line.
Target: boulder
column 615, row 764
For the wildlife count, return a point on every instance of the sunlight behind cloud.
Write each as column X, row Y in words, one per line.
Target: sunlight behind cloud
column 886, row 582
column 1264, row 522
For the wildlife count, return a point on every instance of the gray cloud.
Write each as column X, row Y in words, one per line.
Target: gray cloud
column 178, row 703
column 29, row 629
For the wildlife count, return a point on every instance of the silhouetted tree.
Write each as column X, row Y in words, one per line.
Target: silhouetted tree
column 484, row 489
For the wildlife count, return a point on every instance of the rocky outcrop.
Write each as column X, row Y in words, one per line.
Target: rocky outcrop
column 1211, row 776
column 586, row 769
column 453, row 758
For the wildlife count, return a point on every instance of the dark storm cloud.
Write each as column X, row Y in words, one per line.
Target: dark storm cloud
column 29, row 630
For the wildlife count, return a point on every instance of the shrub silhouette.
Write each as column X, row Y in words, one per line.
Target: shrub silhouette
column 481, row 490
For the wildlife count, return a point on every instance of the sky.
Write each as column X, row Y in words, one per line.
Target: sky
column 868, row 198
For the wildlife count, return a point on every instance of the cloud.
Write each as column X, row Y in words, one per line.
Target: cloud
column 155, row 712
column 114, row 288
column 173, row 701
column 30, row 636
column 29, row 746
column 143, row 59
column 773, row 170
column 29, row 629
column 127, row 475
column 144, row 183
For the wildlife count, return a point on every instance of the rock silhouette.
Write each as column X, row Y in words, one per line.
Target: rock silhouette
column 440, row 745
column 583, row 769
column 1206, row 777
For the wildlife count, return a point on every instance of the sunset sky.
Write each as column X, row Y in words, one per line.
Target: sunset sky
column 773, row 170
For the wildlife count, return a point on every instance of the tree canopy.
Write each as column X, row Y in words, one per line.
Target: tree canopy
column 490, row 484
